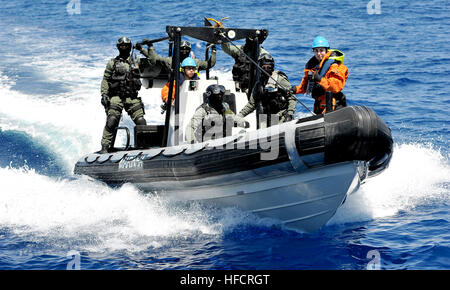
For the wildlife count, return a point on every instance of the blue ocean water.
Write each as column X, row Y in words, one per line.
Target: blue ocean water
column 52, row 61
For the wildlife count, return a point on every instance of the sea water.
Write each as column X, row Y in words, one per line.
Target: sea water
column 53, row 55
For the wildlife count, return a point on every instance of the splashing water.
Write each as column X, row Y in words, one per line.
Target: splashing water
column 417, row 174
column 101, row 217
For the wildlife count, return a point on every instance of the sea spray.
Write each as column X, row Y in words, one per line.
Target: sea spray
column 417, row 175
column 96, row 217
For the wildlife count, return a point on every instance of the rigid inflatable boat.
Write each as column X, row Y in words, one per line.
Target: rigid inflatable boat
column 298, row 172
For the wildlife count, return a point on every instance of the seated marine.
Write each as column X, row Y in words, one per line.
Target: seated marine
column 214, row 118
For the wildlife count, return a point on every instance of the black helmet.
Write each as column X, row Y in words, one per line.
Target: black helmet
column 215, row 90
column 124, row 40
column 215, row 94
column 185, row 44
column 185, row 49
column 266, row 59
column 267, row 63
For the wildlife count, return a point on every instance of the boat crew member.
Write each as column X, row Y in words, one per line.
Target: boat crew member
column 185, row 51
column 119, row 89
column 242, row 65
column 188, row 72
column 325, row 73
column 268, row 97
column 211, row 119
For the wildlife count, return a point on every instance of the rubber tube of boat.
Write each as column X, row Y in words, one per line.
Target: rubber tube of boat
column 357, row 133
column 350, row 133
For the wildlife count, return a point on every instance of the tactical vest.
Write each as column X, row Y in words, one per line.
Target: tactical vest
column 124, row 81
column 213, row 116
column 272, row 98
column 241, row 71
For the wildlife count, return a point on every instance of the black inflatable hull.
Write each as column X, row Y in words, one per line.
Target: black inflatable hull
column 349, row 134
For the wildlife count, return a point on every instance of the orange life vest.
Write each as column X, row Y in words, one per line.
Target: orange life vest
column 334, row 75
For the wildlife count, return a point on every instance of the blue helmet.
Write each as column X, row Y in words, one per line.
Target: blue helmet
column 188, row 61
column 320, row 41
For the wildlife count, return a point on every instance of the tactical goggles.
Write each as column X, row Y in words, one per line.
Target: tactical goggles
column 185, row 45
column 216, row 90
column 266, row 57
column 123, row 40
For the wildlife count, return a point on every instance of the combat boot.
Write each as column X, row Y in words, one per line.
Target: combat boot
column 105, row 149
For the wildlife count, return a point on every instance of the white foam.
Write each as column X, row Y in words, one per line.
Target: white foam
column 417, row 175
column 36, row 205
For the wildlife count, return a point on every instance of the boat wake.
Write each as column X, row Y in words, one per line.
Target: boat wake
column 417, row 175
column 95, row 217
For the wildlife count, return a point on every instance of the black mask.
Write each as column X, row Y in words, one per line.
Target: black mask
column 215, row 101
column 184, row 53
column 124, row 51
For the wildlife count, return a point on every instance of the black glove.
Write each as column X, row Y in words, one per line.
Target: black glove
column 105, row 100
column 293, row 89
column 138, row 46
column 212, row 46
column 288, row 118
column 317, row 77
column 163, row 108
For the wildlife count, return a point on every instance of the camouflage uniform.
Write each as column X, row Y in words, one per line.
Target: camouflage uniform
column 204, row 116
column 241, row 68
column 280, row 102
column 121, row 85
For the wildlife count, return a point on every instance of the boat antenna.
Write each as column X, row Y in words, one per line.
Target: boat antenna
column 257, row 65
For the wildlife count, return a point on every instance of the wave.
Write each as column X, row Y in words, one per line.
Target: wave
column 20, row 150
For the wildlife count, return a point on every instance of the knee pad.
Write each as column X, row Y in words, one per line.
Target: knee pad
column 140, row 121
column 112, row 122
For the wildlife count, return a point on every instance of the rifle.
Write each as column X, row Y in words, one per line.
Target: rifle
column 147, row 41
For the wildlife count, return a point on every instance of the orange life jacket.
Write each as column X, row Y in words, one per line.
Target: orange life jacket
column 333, row 80
column 165, row 93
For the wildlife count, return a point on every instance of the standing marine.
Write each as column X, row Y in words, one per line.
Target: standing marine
column 242, row 64
column 119, row 89
column 271, row 95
